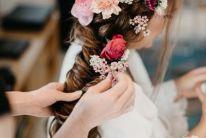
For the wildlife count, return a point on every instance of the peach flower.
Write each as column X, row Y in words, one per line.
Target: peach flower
column 106, row 7
column 82, row 11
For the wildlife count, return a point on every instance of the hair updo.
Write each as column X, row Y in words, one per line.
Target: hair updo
column 95, row 36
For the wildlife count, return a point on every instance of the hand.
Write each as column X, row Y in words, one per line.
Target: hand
column 202, row 97
column 99, row 104
column 199, row 130
column 37, row 103
column 187, row 84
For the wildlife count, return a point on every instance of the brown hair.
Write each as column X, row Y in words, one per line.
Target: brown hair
column 94, row 37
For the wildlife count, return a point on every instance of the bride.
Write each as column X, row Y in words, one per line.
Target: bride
column 105, row 28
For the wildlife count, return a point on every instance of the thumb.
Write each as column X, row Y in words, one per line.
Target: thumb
column 199, row 93
column 103, row 85
column 69, row 97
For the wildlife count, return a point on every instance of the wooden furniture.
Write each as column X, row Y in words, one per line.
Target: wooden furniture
column 36, row 67
column 41, row 56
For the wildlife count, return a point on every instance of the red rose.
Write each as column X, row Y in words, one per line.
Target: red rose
column 115, row 48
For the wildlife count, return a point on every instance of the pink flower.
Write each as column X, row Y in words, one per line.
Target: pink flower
column 151, row 4
column 106, row 7
column 82, row 11
column 115, row 48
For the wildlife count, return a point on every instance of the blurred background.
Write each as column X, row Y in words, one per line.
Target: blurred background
column 32, row 47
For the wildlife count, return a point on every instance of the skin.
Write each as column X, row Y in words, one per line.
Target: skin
column 37, row 102
column 118, row 100
column 98, row 105
column 200, row 129
column 156, row 26
column 101, row 102
column 188, row 85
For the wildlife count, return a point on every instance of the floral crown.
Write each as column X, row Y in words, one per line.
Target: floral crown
column 113, row 58
column 84, row 10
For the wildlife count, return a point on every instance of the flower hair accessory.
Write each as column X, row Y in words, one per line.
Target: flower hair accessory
column 84, row 10
column 81, row 10
column 159, row 6
column 106, row 7
column 140, row 23
column 126, row 1
column 113, row 58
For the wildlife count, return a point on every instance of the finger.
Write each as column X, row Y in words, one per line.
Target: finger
column 103, row 85
column 200, row 95
column 130, row 103
column 200, row 70
column 199, row 78
column 127, row 97
column 56, row 86
column 122, row 112
column 46, row 113
column 121, row 86
column 43, row 112
column 68, row 97
column 128, row 110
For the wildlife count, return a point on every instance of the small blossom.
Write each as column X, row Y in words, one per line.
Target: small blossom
column 163, row 4
column 114, row 66
column 126, row 1
column 161, row 8
column 125, row 56
column 140, row 23
column 146, row 33
column 106, row 7
column 160, row 11
column 151, row 4
column 81, row 10
column 103, row 68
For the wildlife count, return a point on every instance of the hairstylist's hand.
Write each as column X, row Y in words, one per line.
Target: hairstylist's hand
column 37, row 102
column 199, row 130
column 187, row 84
column 202, row 97
column 99, row 104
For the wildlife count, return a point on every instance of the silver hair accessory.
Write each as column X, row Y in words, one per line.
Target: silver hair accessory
column 203, row 88
column 140, row 23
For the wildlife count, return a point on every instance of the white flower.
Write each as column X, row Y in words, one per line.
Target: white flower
column 160, row 11
column 161, row 8
column 146, row 33
column 140, row 23
column 163, row 4
column 126, row 1
column 125, row 56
